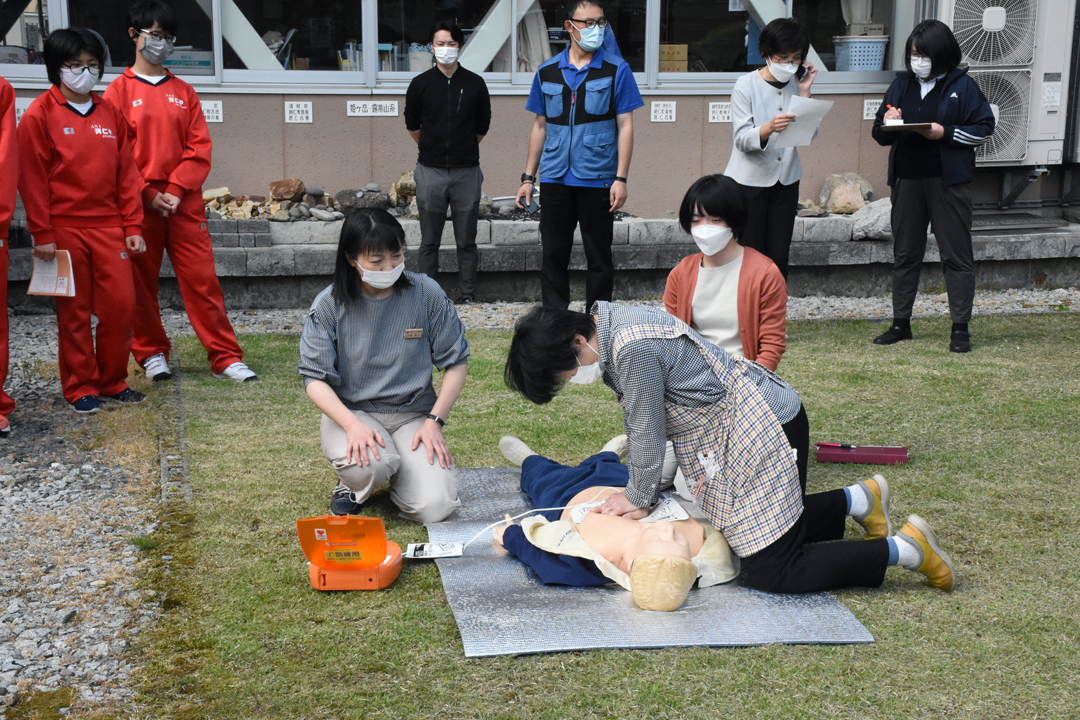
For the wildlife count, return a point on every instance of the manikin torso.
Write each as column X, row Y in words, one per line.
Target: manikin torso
column 609, row 534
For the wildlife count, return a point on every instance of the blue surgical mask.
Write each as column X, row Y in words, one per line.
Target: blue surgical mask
column 591, row 38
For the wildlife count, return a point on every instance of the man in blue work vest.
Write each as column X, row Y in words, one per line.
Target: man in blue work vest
column 580, row 146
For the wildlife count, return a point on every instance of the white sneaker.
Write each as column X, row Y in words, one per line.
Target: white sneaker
column 618, row 446
column 514, row 450
column 157, row 368
column 237, row 372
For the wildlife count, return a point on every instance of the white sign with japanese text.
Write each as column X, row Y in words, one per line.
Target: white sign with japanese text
column 870, row 108
column 212, row 111
column 371, row 108
column 720, row 112
column 663, row 112
column 298, row 112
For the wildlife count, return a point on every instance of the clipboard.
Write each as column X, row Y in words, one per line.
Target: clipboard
column 54, row 278
column 867, row 454
column 907, row 126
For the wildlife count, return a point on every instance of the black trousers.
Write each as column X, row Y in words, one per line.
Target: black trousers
column 770, row 221
column 798, row 434
column 802, row 560
column 947, row 208
column 564, row 208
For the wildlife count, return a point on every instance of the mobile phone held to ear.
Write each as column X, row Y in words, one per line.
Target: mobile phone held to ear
column 800, row 72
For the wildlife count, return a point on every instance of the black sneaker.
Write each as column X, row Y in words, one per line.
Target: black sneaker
column 341, row 502
column 960, row 341
column 126, row 396
column 893, row 335
column 464, row 300
column 86, row 404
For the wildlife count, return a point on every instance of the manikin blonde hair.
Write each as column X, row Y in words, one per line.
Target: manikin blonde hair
column 661, row 582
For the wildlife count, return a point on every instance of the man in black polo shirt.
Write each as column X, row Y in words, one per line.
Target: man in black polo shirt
column 448, row 112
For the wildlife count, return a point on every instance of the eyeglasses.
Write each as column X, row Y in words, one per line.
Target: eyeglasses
column 590, row 23
column 159, row 35
column 80, row 69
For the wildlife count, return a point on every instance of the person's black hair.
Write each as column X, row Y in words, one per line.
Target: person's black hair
column 365, row 231
column 455, row 32
column 542, row 348
column 718, row 196
column 934, row 39
column 143, row 14
column 572, row 6
column 784, row 35
column 66, row 45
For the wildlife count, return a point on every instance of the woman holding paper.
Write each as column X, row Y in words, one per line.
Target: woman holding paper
column 769, row 175
column 80, row 186
column 931, row 167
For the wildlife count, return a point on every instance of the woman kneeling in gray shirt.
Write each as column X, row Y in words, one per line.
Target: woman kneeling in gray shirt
column 366, row 356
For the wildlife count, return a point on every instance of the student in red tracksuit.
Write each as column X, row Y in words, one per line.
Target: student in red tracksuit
column 171, row 145
column 9, row 168
column 80, row 187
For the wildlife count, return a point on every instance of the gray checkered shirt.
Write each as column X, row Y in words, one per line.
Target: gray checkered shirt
column 652, row 372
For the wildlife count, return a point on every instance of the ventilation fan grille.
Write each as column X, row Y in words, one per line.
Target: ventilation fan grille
column 1014, row 44
column 1009, row 93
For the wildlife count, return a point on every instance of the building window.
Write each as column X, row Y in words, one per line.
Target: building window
column 405, row 31
column 703, row 36
column 194, row 53
column 278, row 34
column 24, row 33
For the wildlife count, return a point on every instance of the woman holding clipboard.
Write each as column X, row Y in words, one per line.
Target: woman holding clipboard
column 934, row 116
column 769, row 175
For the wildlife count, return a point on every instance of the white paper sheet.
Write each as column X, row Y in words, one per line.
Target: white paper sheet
column 808, row 115
column 54, row 277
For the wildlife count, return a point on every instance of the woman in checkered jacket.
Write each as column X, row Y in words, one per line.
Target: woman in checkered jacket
column 724, row 416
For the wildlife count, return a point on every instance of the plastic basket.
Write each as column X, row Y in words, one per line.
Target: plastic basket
column 860, row 52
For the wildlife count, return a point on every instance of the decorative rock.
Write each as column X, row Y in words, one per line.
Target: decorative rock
column 292, row 189
column 213, row 215
column 323, row 215
column 873, row 221
column 220, row 194
column 845, row 200
column 485, row 205
column 257, row 198
column 372, row 187
column 832, row 182
column 372, row 199
column 404, row 189
column 296, row 212
column 305, row 211
column 348, row 200
column 414, row 211
column 315, row 193
column 280, row 216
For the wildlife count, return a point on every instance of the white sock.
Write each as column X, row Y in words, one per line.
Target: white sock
column 860, row 503
column 907, row 554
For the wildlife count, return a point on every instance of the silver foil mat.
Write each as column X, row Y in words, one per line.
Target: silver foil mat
column 502, row 608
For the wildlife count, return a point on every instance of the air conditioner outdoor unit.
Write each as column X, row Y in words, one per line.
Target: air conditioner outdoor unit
column 1018, row 54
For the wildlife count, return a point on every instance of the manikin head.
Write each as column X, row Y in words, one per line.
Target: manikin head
column 661, row 573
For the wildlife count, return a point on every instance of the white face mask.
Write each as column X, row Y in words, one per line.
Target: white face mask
column 382, row 279
column 79, row 83
column 588, row 373
column 445, row 55
column 784, row 72
column 156, row 51
column 921, row 66
column 711, row 239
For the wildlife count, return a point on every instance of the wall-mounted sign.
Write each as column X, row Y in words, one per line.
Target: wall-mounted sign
column 870, row 108
column 663, row 112
column 212, row 111
column 720, row 112
column 297, row 112
column 371, row 108
column 20, row 107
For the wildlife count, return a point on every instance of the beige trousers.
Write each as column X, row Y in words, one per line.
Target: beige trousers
column 423, row 492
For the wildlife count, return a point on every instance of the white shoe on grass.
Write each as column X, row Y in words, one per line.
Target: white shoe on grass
column 514, row 450
column 157, row 368
column 237, row 372
column 618, row 446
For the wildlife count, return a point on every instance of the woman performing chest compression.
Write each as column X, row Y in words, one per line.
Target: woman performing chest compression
column 724, row 417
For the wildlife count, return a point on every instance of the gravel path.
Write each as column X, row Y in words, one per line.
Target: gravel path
column 68, row 575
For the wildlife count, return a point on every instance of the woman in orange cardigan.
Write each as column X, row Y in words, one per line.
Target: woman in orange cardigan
column 734, row 296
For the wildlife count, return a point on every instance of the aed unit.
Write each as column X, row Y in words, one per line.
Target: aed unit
column 348, row 552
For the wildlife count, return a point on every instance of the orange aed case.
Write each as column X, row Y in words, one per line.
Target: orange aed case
column 348, row 552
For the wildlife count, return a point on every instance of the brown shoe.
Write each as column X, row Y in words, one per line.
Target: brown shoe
column 935, row 565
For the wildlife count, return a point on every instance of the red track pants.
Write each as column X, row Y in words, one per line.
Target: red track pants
column 185, row 237
column 6, row 403
column 103, row 286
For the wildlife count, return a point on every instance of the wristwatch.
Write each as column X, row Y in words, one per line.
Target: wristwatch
column 526, row 177
column 620, row 179
column 436, row 418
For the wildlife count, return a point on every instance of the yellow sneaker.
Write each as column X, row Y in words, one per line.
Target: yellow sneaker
column 876, row 520
column 935, row 565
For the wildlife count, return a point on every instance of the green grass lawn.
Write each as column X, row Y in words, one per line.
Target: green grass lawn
column 993, row 438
